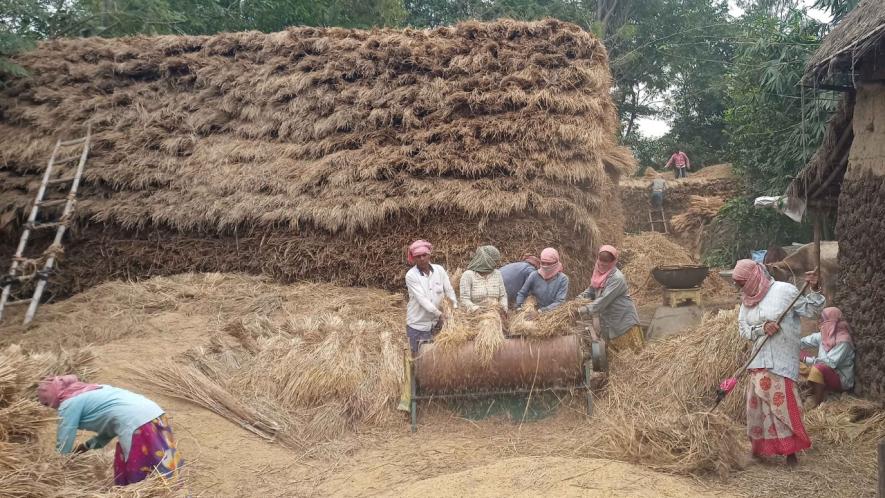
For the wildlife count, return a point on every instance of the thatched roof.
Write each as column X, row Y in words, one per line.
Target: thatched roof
column 861, row 32
column 821, row 179
column 335, row 129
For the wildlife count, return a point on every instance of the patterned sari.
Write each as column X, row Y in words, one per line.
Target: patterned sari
column 774, row 417
column 153, row 449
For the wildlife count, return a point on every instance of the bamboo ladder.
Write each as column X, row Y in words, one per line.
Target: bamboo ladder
column 654, row 220
column 24, row 269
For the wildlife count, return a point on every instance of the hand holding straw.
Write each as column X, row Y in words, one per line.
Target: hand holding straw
column 728, row 385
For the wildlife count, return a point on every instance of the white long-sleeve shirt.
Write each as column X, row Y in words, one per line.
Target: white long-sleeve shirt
column 426, row 292
column 780, row 354
column 840, row 358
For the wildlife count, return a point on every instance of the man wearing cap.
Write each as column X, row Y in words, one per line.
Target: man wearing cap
column 428, row 285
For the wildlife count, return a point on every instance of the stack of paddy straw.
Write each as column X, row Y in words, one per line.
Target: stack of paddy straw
column 27, row 467
column 701, row 210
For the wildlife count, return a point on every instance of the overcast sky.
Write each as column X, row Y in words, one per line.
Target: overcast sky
column 654, row 128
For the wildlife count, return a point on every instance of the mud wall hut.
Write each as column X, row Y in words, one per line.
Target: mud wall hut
column 320, row 153
column 847, row 174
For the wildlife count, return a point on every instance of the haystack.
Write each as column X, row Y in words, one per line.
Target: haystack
column 321, row 153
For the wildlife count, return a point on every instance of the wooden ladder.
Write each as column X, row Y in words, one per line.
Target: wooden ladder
column 24, row 269
column 656, row 217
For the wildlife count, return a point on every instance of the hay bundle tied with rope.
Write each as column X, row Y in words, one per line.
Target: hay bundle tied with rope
column 353, row 144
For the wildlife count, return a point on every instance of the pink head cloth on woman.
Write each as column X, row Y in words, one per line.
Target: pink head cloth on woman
column 53, row 391
column 833, row 329
column 756, row 282
column 602, row 270
column 419, row 248
column 550, row 264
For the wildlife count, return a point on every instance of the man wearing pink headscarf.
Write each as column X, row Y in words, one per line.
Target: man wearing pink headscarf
column 428, row 284
column 833, row 367
column 774, row 415
column 618, row 319
column 547, row 284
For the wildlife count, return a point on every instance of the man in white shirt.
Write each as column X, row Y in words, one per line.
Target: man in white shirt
column 428, row 285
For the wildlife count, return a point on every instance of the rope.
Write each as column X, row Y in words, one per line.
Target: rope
column 31, row 267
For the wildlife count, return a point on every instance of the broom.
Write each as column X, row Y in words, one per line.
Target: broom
column 728, row 385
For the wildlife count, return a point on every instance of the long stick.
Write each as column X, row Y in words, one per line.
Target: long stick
column 743, row 368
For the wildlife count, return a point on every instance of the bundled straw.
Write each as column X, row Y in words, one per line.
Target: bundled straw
column 700, row 211
column 552, row 323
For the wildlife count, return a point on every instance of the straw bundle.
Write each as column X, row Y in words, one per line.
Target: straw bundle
column 353, row 144
column 548, row 324
column 701, row 210
column 490, row 333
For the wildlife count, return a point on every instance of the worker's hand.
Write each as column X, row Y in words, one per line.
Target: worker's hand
column 81, row 448
column 813, row 279
column 771, row 328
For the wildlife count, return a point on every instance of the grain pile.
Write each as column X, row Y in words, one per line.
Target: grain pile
column 643, row 252
column 701, row 210
column 352, row 144
column 28, row 468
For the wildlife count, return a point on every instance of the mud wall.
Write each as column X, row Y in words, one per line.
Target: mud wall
column 861, row 232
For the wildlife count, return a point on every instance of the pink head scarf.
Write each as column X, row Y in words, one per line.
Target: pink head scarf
column 756, row 281
column 833, row 329
column 550, row 264
column 52, row 391
column 419, row 248
column 602, row 270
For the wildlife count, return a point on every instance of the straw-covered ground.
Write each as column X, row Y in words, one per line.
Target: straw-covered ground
column 290, row 390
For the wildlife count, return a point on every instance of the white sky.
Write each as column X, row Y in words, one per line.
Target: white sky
column 654, row 128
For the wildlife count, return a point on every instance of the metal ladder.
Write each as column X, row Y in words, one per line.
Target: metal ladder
column 653, row 221
column 25, row 269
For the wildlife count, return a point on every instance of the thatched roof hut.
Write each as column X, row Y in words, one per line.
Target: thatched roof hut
column 847, row 174
column 319, row 153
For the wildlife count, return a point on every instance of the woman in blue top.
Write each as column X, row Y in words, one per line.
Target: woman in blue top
column 144, row 437
column 548, row 285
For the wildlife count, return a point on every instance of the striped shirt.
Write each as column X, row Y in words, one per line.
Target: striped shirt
column 478, row 290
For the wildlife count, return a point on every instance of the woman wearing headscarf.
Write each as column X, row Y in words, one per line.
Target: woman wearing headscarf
column 481, row 284
column 774, row 415
column 515, row 274
column 833, row 367
column 548, row 284
column 618, row 319
column 145, row 442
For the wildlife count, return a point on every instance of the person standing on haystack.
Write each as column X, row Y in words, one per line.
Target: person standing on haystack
column 618, row 319
column 428, row 284
column 548, row 284
column 145, row 442
column 833, row 367
column 680, row 163
column 515, row 274
column 481, row 284
column 774, row 415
